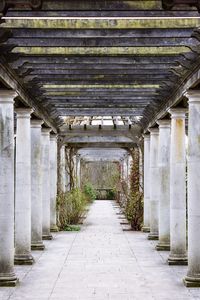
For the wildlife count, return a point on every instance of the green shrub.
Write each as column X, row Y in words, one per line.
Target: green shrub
column 72, row 228
column 89, row 192
column 71, row 207
column 110, row 195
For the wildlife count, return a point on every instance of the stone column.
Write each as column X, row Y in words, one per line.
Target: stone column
column 62, row 168
column 193, row 276
column 23, row 188
column 46, row 235
column 7, row 275
column 178, row 254
column 53, row 182
column 36, row 186
column 146, row 226
column 154, row 184
column 164, row 187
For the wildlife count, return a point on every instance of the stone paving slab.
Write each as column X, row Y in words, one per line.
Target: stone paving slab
column 100, row 262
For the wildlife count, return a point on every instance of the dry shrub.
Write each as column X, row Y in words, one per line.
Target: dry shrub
column 71, row 207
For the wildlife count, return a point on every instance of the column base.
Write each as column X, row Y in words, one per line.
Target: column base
column 177, row 261
column 47, row 237
column 37, row 246
column 54, row 228
column 8, row 280
column 191, row 282
column 145, row 229
column 24, row 259
column 152, row 237
column 163, row 247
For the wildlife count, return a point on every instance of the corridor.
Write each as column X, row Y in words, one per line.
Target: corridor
column 100, row 262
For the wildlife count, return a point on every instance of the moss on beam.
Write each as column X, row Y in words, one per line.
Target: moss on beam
column 103, row 23
column 108, row 86
column 110, row 51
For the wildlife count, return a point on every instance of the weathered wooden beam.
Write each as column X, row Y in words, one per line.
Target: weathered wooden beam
column 96, row 98
column 112, row 77
column 92, row 23
column 100, row 112
column 99, row 91
column 100, row 86
column 166, row 59
column 100, row 33
column 91, row 66
column 142, row 81
column 57, row 72
column 102, row 51
column 119, row 11
column 103, row 42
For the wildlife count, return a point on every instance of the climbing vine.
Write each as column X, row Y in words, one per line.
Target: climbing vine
column 132, row 194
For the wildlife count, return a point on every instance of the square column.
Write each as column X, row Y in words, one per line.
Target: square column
column 36, row 186
column 46, row 235
column 154, row 184
column 7, row 275
column 53, row 182
column 178, row 254
column 146, row 226
column 193, row 275
column 23, row 188
column 164, row 187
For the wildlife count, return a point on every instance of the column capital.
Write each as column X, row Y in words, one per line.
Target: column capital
column 46, row 131
column 146, row 136
column 178, row 112
column 193, row 96
column 153, row 130
column 36, row 123
column 7, row 96
column 23, row 113
column 164, row 123
column 53, row 137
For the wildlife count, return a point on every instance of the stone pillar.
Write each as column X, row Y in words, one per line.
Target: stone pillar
column 62, row 169
column 178, row 255
column 53, row 182
column 36, row 186
column 23, row 188
column 164, row 187
column 193, row 276
column 146, row 226
column 154, row 184
column 7, row 275
column 46, row 235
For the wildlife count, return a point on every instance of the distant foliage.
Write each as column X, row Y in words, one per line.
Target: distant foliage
column 89, row 192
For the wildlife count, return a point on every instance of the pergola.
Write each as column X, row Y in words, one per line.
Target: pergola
column 97, row 77
column 97, row 58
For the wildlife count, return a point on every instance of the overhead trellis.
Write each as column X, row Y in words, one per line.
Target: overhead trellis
column 98, row 58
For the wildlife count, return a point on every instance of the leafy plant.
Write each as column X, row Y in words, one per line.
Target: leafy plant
column 72, row 228
column 133, row 207
column 71, row 207
column 90, row 192
column 110, row 195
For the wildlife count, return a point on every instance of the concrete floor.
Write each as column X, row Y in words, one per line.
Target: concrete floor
column 100, row 262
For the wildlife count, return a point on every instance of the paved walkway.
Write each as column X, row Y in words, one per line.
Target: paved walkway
column 100, row 262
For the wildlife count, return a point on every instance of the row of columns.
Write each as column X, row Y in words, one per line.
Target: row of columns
column 28, row 187
column 165, row 187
